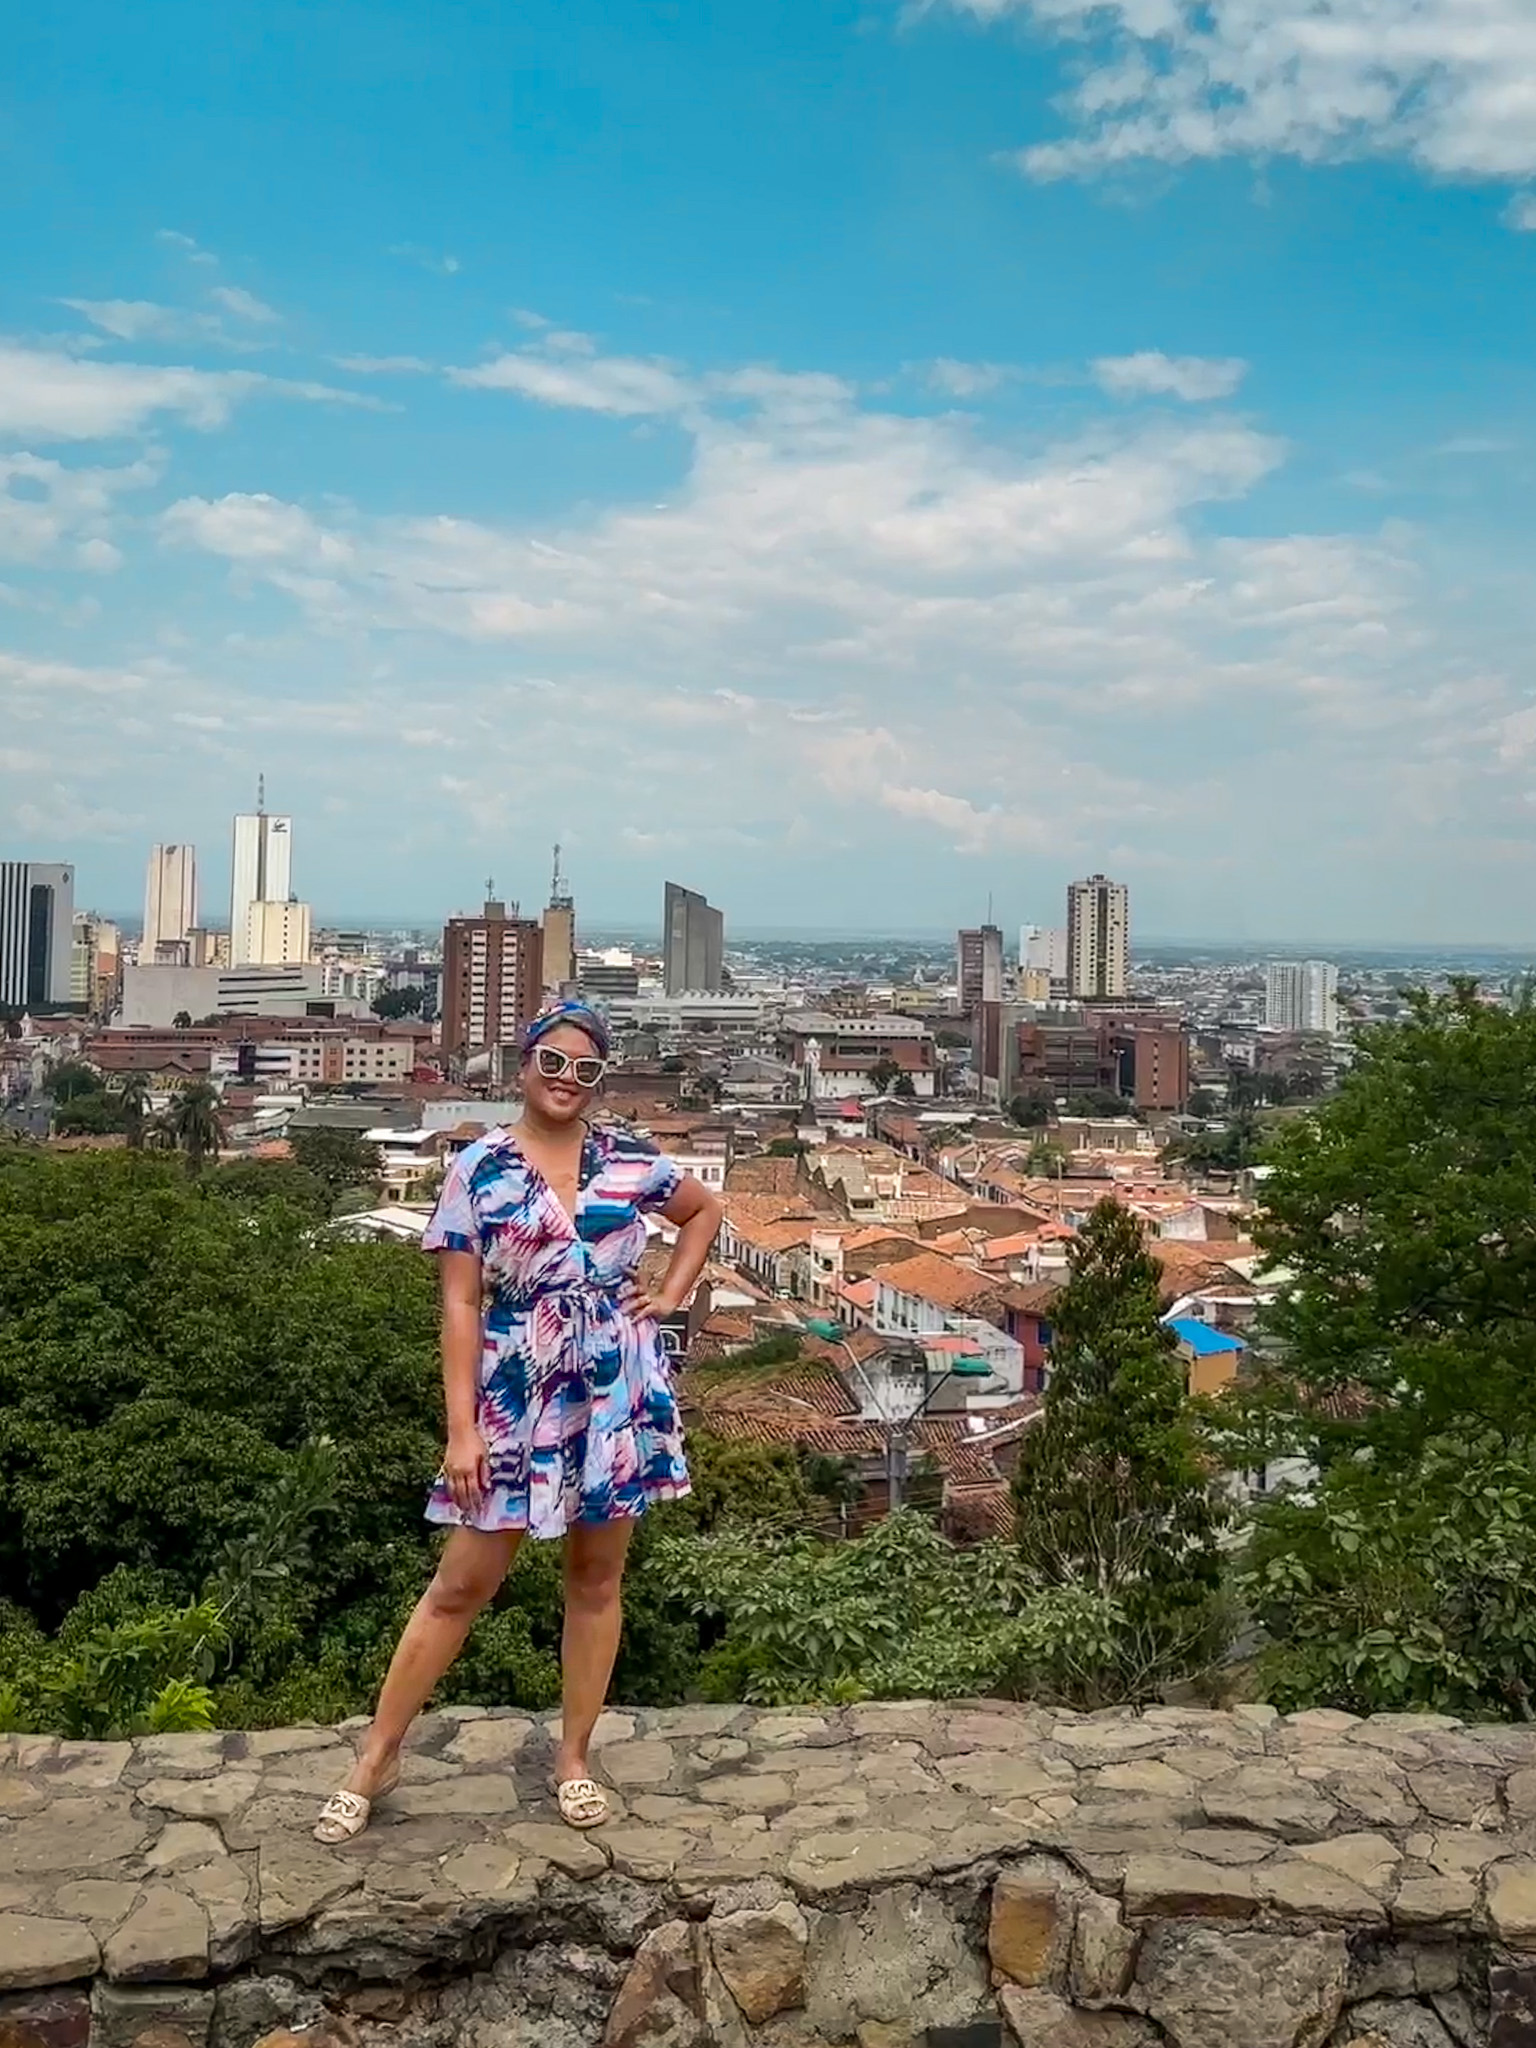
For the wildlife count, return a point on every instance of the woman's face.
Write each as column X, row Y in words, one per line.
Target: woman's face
column 559, row 1097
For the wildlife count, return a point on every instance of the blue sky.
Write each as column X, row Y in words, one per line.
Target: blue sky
column 853, row 458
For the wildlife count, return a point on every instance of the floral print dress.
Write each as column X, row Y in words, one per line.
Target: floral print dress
column 575, row 1401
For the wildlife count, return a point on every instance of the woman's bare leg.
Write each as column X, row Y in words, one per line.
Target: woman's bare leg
column 473, row 1564
column 594, row 1577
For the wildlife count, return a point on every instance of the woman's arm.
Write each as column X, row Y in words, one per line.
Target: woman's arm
column 697, row 1213
column 465, row 1465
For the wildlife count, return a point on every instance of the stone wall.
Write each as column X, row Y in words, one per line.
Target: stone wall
column 887, row 1876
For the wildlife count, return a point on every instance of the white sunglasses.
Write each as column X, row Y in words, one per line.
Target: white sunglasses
column 585, row 1069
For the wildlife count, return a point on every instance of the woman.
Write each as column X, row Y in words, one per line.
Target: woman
column 561, row 1418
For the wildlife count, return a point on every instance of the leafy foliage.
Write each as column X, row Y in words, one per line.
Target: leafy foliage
column 1401, row 1361
column 1402, row 1210
column 337, row 1159
column 1406, row 1593
column 1114, row 1491
column 398, row 1002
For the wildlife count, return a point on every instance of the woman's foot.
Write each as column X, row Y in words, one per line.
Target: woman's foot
column 349, row 1809
column 582, row 1801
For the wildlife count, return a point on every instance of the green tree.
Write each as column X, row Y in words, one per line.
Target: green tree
column 398, row 1002
column 182, row 1021
column 884, row 1075
column 1201, row 1102
column 250, row 1182
column 786, row 1148
column 905, row 1087
column 337, row 1159
column 193, row 1124
column 1032, row 1108
column 133, row 1094
column 70, row 1079
column 1401, row 1212
column 1114, row 1490
column 1096, row 1102
column 88, row 1116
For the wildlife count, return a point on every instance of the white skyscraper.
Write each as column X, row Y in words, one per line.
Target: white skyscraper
column 1302, row 995
column 170, row 899
column 1043, row 950
column 261, row 872
column 1098, row 939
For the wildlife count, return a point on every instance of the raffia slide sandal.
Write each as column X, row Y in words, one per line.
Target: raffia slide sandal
column 345, row 1814
column 582, row 1801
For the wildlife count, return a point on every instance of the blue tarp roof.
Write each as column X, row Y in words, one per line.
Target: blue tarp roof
column 1201, row 1338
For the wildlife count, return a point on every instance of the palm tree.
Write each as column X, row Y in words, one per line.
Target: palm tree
column 194, row 1124
column 133, row 1094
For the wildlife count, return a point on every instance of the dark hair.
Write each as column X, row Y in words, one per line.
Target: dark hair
column 581, row 1015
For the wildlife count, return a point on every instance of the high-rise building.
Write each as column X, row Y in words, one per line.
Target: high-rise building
column 261, row 871
column 170, row 899
column 277, row 934
column 1301, row 995
column 96, row 964
column 1098, row 940
column 493, row 977
column 979, row 967
column 693, row 943
column 37, row 929
column 1043, row 950
column 559, row 932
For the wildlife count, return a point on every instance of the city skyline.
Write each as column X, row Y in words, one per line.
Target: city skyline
column 841, row 453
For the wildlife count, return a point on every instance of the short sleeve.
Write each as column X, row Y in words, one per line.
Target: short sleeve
column 663, row 1178
column 454, row 1225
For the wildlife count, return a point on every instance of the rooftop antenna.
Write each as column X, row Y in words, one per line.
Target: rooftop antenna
column 559, row 892
column 490, row 888
column 261, row 796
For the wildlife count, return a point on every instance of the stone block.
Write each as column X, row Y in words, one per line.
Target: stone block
column 35, row 1951
column 1103, row 1951
column 166, row 1935
column 902, row 1958
column 1209, row 1987
column 1434, row 1901
column 45, row 2019
column 1398, row 2023
column 123, row 2013
column 760, row 1955
column 1039, row 2019
column 1512, row 1902
column 1169, row 1887
column 1312, row 1892
column 645, row 1763
column 1029, row 1925
column 75, row 1835
column 661, row 1998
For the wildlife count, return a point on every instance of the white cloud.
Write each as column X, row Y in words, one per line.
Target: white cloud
column 1449, row 85
column 1520, row 214
column 133, row 319
column 565, row 370
column 1152, row 374
column 383, row 366
column 46, row 395
column 53, row 513
column 966, row 380
column 147, row 320
column 244, row 305
column 194, row 253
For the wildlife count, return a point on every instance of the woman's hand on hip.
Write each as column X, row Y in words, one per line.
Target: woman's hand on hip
column 644, row 1304
column 467, row 1470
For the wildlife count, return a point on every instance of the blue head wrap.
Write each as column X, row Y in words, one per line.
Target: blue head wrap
column 581, row 1015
